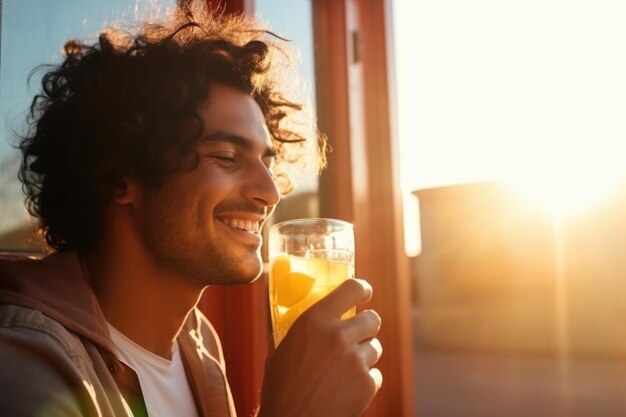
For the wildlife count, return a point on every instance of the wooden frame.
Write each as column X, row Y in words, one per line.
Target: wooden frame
column 232, row 6
column 353, row 73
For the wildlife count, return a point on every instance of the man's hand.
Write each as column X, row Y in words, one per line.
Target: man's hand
column 323, row 366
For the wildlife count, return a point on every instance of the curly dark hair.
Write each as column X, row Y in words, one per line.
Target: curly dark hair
column 114, row 109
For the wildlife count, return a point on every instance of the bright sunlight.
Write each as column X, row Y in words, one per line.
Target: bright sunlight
column 568, row 189
column 530, row 93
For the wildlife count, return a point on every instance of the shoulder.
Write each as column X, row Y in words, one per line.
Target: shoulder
column 36, row 334
column 39, row 374
column 30, row 385
column 31, row 328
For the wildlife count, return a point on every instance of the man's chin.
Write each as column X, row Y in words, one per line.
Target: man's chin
column 248, row 272
column 255, row 274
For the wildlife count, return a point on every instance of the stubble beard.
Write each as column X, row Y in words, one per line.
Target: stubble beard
column 181, row 250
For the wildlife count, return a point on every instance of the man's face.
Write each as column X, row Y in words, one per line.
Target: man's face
column 205, row 224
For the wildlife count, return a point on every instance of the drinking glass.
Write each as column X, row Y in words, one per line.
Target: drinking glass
column 308, row 259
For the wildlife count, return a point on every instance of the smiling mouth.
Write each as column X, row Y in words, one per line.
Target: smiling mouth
column 242, row 224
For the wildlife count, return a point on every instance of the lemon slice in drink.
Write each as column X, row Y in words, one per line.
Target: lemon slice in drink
column 290, row 287
column 281, row 266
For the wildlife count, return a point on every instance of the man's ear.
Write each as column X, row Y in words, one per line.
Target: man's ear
column 127, row 191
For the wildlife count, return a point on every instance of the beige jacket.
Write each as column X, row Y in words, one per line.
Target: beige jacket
column 57, row 358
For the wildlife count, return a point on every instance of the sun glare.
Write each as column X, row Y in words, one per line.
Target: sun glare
column 566, row 191
column 532, row 94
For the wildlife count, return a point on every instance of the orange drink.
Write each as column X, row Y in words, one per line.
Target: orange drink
column 308, row 259
column 296, row 283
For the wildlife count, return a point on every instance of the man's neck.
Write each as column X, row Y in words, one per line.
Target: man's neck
column 142, row 301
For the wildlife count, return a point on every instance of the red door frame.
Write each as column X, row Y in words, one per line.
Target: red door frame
column 232, row 6
column 354, row 86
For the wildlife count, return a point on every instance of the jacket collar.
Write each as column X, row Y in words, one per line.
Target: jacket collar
column 56, row 286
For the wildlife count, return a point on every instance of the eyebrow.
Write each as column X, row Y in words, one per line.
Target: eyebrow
column 221, row 136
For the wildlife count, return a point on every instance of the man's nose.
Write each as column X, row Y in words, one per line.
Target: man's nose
column 261, row 187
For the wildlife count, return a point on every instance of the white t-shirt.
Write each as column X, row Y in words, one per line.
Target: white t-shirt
column 164, row 383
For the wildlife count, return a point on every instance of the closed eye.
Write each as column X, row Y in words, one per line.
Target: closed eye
column 225, row 158
column 222, row 157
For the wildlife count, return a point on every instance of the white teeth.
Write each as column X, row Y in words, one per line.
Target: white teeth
column 247, row 225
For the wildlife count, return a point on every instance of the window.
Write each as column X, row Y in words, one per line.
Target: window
column 529, row 93
column 292, row 20
column 516, row 306
column 507, row 89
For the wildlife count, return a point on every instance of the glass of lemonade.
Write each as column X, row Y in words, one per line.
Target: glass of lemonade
column 308, row 259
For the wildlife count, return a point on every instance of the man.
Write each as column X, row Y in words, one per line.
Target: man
column 151, row 164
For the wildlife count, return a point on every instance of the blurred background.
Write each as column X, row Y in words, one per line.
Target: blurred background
column 495, row 183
